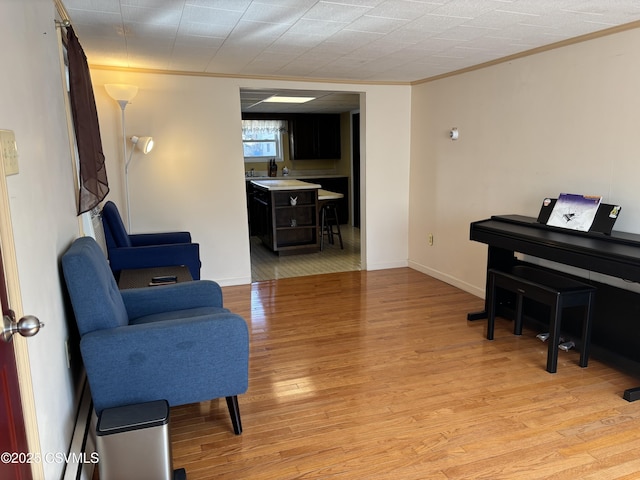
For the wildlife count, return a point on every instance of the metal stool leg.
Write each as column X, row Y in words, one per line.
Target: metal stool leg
column 323, row 214
column 335, row 217
column 329, row 218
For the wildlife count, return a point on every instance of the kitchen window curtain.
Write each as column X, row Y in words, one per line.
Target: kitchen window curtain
column 94, row 185
column 258, row 128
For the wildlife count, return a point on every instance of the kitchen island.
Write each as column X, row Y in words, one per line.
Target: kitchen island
column 287, row 215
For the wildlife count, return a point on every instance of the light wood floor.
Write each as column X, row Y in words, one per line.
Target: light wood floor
column 378, row 375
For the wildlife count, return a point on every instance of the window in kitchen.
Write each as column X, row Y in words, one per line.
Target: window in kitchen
column 262, row 139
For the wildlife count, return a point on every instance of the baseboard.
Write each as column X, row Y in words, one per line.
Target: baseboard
column 386, row 265
column 233, row 281
column 472, row 289
column 82, row 458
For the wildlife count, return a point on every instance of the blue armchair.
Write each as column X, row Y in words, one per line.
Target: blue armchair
column 146, row 250
column 173, row 342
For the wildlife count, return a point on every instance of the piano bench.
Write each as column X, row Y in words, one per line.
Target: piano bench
column 551, row 289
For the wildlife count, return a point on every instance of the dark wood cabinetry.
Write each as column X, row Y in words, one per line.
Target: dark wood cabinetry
column 282, row 226
column 315, row 136
column 257, row 213
column 312, row 136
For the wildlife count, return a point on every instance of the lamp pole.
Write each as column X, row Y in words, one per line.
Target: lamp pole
column 123, row 105
column 122, row 94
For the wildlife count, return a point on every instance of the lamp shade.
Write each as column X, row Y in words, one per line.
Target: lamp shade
column 121, row 92
column 145, row 144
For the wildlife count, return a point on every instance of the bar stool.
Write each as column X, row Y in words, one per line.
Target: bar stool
column 329, row 216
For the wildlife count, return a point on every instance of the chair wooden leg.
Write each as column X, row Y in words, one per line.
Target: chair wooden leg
column 234, row 411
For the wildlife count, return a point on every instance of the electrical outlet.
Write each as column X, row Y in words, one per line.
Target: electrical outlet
column 9, row 152
column 431, row 239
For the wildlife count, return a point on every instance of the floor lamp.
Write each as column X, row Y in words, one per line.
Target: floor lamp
column 123, row 94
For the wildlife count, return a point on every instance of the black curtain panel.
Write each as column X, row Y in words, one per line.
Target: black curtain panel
column 94, row 185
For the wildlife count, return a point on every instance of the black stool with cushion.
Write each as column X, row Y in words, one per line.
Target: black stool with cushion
column 329, row 217
column 329, row 220
column 551, row 289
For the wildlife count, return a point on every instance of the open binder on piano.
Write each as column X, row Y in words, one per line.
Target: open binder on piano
column 580, row 213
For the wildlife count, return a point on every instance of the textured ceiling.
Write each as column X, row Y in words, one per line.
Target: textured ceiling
column 346, row 40
column 251, row 101
column 388, row 41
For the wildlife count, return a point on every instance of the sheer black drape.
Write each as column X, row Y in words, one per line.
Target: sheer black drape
column 94, row 185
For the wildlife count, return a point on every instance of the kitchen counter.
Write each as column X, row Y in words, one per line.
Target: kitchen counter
column 331, row 182
column 284, row 214
column 284, row 184
column 294, row 176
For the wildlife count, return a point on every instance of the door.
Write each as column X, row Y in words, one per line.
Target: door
column 13, row 438
column 17, row 431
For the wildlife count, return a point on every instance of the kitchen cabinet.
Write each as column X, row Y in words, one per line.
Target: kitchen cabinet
column 315, row 136
column 333, row 183
column 287, row 215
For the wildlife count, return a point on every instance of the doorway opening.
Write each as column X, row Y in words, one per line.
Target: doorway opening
column 335, row 173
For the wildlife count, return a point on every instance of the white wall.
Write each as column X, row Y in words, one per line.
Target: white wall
column 42, row 204
column 194, row 178
column 566, row 120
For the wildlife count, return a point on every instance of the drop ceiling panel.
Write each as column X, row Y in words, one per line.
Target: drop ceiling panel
column 325, row 102
column 378, row 25
column 197, row 29
column 335, row 12
column 372, row 40
column 402, row 9
column 234, row 5
column 211, row 16
column 310, row 26
column 152, row 16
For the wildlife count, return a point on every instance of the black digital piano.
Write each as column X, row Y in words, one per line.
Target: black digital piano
column 616, row 322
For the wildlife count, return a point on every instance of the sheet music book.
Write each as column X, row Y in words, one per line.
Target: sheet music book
column 574, row 212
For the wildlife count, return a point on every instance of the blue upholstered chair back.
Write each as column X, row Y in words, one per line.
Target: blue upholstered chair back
column 114, row 231
column 97, row 302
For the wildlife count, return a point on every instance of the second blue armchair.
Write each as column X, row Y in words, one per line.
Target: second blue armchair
column 146, row 250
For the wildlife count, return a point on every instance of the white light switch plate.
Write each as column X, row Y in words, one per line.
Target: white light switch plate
column 9, row 152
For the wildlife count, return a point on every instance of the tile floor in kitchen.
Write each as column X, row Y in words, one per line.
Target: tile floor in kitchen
column 266, row 265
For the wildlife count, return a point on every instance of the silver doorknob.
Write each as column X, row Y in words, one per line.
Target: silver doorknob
column 27, row 326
